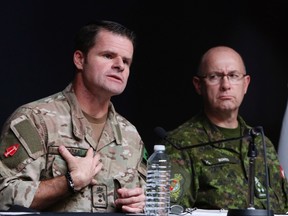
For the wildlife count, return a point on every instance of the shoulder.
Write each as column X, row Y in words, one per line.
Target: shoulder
column 191, row 132
column 126, row 126
column 32, row 113
column 124, row 131
column 43, row 104
column 117, row 119
column 189, row 128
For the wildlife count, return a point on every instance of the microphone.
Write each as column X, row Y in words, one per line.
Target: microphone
column 252, row 153
column 164, row 136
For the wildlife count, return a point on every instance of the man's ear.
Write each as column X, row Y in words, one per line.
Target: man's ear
column 197, row 84
column 247, row 82
column 78, row 59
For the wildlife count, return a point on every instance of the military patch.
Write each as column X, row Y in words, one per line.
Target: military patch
column 28, row 136
column 74, row 151
column 260, row 191
column 99, row 196
column 218, row 161
column 6, row 148
column 22, row 132
column 11, row 150
column 145, row 155
column 175, row 186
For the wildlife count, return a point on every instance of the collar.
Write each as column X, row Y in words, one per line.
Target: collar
column 81, row 126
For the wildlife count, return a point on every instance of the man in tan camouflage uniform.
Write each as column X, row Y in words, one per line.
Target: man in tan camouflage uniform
column 216, row 176
column 72, row 151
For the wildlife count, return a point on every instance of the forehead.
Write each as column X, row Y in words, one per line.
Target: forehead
column 224, row 61
column 110, row 41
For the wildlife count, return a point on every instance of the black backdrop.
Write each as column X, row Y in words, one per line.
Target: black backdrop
column 36, row 55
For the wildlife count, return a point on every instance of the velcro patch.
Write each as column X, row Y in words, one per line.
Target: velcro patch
column 74, row 151
column 28, row 136
column 24, row 134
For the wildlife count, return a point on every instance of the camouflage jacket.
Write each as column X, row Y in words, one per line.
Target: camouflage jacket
column 216, row 176
column 29, row 153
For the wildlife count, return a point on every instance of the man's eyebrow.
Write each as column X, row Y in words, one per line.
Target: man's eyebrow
column 230, row 71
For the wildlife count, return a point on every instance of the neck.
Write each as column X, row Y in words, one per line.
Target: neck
column 224, row 120
column 95, row 120
column 94, row 104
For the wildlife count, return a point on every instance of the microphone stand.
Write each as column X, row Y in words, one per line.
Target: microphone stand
column 252, row 154
column 251, row 211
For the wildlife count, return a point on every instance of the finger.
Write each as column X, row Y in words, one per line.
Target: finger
column 98, row 167
column 65, row 153
column 93, row 182
column 131, row 201
column 132, row 209
column 125, row 193
column 89, row 153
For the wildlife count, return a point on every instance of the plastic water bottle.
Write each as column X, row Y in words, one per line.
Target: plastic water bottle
column 158, row 183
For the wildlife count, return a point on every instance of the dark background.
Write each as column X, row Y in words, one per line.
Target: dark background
column 36, row 55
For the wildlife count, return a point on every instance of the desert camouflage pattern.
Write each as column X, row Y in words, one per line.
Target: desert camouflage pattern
column 216, row 176
column 38, row 128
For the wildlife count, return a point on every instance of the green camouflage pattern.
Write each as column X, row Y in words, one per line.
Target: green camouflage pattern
column 216, row 176
column 40, row 127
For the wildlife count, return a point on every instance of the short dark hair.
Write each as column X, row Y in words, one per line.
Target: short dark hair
column 85, row 38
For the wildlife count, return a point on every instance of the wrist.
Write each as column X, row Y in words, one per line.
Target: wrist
column 70, row 182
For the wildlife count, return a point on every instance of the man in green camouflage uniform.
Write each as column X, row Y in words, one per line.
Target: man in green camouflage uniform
column 72, row 151
column 216, row 176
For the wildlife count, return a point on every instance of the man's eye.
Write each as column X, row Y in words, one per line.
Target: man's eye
column 126, row 62
column 108, row 56
column 213, row 76
column 233, row 75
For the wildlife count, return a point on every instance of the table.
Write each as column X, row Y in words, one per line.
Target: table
column 190, row 212
column 221, row 212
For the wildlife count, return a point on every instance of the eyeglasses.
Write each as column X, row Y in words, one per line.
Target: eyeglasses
column 179, row 210
column 215, row 78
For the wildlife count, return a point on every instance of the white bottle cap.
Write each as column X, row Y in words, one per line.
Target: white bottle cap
column 159, row 147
